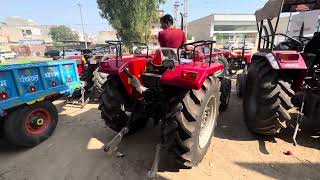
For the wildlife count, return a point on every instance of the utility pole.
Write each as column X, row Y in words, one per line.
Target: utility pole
column 176, row 5
column 84, row 35
column 186, row 12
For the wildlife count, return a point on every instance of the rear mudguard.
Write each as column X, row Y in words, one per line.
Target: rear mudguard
column 280, row 64
column 171, row 77
column 202, row 69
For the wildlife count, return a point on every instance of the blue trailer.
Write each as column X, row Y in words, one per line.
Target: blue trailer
column 27, row 114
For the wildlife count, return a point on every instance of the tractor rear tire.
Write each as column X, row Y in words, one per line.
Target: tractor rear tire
column 196, row 120
column 225, row 90
column 21, row 131
column 240, row 84
column 113, row 107
column 98, row 79
column 267, row 100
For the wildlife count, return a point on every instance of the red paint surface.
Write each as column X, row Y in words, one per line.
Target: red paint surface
column 38, row 113
column 295, row 63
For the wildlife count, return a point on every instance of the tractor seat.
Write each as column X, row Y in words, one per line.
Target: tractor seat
column 164, row 54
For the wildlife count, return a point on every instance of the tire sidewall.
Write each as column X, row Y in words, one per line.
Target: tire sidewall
column 17, row 124
column 199, row 153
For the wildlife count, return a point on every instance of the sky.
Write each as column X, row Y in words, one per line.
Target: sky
column 66, row 12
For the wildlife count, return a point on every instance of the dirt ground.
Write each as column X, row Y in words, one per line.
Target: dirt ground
column 235, row 153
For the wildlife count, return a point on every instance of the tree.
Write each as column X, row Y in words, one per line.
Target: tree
column 63, row 33
column 132, row 19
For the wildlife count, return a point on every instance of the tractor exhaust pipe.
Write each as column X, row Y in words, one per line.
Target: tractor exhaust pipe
column 182, row 22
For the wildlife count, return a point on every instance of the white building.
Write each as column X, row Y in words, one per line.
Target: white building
column 223, row 27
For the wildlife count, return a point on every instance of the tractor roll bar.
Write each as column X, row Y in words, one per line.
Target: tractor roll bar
column 195, row 45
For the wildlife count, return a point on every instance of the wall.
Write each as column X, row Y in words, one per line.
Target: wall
column 200, row 29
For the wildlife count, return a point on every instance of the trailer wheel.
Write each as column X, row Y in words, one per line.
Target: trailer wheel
column 268, row 99
column 196, row 121
column 240, row 84
column 31, row 125
column 98, row 80
column 113, row 107
column 225, row 90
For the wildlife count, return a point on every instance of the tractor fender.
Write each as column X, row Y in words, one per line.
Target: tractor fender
column 115, row 67
column 198, row 71
column 277, row 63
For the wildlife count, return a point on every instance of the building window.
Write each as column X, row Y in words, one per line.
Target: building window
column 235, row 28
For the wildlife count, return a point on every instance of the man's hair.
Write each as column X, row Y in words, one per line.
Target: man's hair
column 167, row 19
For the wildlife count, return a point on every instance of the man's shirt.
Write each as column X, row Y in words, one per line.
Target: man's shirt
column 172, row 38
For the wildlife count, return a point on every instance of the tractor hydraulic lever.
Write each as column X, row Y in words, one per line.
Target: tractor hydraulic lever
column 135, row 82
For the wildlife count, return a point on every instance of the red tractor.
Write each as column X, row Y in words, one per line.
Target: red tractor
column 182, row 95
column 110, row 50
column 282, row 82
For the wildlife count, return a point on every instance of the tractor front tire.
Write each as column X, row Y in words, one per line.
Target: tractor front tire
column 31, row 124
column 196, row 121
column 240, row 84
column 113, row 107
column 267, row 99
column 225, row 90
column 98, row 80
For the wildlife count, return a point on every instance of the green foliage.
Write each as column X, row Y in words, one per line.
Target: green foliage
column 132, row 19
column 63, row 33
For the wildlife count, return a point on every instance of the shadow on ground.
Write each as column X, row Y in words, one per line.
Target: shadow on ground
column 231, row 126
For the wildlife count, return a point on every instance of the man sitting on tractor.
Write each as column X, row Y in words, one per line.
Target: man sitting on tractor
column 170, row 37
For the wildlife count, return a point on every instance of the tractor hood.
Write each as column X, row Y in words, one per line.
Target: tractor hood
column 273, row 8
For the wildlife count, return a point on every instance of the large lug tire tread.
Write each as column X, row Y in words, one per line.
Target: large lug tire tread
column 240, row 84
column 185, row 145
column 273, row 100
column 225, row 90
column 112, row 104
column 98, row 80
column 14, row 125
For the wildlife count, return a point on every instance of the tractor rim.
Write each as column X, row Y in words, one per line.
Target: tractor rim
column 207, row 122
column 37, row 122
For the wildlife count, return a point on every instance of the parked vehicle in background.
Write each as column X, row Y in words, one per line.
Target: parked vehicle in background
column 72, row 52
column 52, row 53
column 247, row 45
column 228, row 44
column 8, row 54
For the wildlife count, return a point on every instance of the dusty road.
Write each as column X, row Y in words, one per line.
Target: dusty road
column 235, row 153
